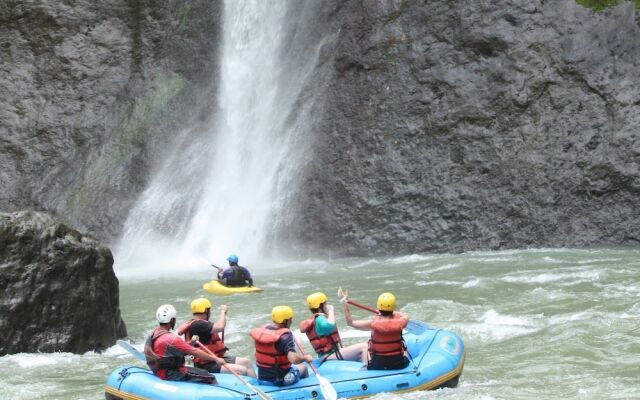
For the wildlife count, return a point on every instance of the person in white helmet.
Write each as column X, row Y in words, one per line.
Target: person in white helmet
column 165, row 351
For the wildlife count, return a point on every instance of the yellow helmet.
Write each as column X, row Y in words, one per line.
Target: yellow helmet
column 314, row 300
column 386, row 302
column 281, row 313
column 200, row 305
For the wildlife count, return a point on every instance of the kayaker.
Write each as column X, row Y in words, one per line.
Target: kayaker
column 322, row 331
column 165, row 351
column 276, row 357
column 387, row 349
column 236, row 275
column 208, row 333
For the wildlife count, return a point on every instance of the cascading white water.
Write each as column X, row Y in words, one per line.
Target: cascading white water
column 220, row 195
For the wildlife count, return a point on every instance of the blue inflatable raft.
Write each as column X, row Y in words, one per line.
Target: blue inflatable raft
column 437, row 358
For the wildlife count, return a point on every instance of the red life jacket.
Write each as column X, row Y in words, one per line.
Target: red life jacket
column 321, row 344
column 184, row 329
column 267, row 356
column 386, row 336
column 214, row 343
column 170, row 358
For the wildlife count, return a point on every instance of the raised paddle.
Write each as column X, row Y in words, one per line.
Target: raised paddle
column 355, row 303
column 327, row 389
column 259, row 392
column 412, row 324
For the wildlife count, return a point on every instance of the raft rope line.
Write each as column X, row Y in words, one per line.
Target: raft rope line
column 125, row 373
column 429, row 346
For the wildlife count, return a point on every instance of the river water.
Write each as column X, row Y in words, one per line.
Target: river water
column 537, row 324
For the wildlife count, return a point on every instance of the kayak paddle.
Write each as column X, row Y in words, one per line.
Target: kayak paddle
column 327, row 389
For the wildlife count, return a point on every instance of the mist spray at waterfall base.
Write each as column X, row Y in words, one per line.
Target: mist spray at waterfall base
column 221, row 192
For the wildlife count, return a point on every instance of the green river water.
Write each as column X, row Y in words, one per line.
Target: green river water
column 537, row 324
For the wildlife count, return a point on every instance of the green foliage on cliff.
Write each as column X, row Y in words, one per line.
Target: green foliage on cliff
column 600, row 5
column 129, row 139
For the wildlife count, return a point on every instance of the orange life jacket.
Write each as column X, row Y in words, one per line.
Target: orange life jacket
column 267, row 356
column 214, row 343
column 321, row 344
column 386, row 336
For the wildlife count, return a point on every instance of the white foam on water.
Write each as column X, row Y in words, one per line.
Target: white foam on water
column 496, row 327
column 548, row 277
column 436, row 283
column 34, row 360
column 366, row 263
column 471, row 283
column 413, row 258
column 620, row 290
column 492, row 260
column 544, row 293
column 445, row 267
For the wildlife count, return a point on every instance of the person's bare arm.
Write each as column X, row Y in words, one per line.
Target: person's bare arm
column 221, row 323
column 295, row 358
column 331, row 315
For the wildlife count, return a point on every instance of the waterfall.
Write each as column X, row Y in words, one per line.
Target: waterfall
column 219, row 193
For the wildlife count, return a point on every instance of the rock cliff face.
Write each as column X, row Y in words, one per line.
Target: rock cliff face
column 444, row 125
column 93, row 93
column 58, row 289
column 455, row 125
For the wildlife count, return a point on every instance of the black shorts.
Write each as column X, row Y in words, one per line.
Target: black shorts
column 192, row 375
column 391, row 362
column 215, row 368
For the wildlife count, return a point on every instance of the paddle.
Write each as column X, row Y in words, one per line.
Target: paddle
column 218, row 268
column 327, row 389
column 412, row 324
column 132, row 350
column 259, row 392
column 355, row 303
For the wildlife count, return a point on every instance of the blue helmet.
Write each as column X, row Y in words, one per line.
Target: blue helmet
column 233, row 258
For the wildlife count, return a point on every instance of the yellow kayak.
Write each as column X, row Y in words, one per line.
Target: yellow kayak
column 216, row 287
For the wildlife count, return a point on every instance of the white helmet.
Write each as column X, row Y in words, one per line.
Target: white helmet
column 165, row 313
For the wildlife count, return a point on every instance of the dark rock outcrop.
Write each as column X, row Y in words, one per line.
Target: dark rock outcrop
column 440, row 125
column 455, row 125
column 93, row 95
column 58, row 291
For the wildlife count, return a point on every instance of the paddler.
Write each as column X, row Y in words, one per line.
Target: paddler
column 322, row 331
column 208, row 333
column 276, row 357
column 236, row 275
column 165, row 351
column 387, row 349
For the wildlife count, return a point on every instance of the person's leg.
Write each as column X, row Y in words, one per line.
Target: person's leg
column 302, row 370
column 239, row 369
column 355, row 352
column 246, row 363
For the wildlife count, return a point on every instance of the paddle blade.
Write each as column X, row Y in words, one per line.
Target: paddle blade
column 132, row 350
column 327, row 389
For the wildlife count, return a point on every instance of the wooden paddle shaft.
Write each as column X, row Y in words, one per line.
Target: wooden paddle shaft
column 355, row 303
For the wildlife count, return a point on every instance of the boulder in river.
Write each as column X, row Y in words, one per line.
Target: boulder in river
column 58, row 291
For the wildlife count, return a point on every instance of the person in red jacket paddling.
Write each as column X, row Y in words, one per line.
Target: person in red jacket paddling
column 165, row 351
column 387, row 349
column 322, row 331
column 276, row 357
column 208, row 333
